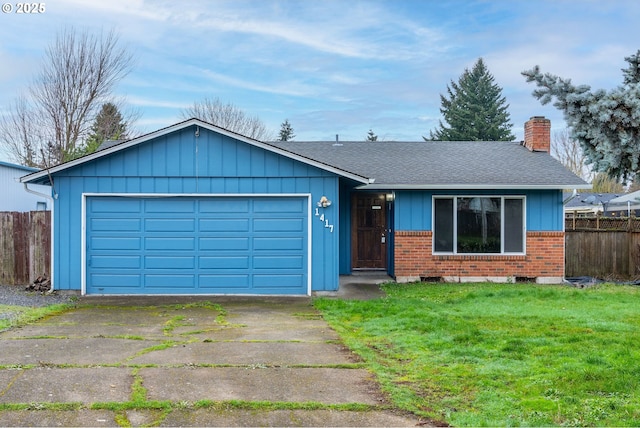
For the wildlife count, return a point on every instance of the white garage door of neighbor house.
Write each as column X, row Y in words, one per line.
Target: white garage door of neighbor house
column 197, row 245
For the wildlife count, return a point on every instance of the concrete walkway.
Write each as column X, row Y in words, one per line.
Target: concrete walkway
column 188, row 361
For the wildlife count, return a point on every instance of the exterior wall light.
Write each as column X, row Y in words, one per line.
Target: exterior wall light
column 324, row 202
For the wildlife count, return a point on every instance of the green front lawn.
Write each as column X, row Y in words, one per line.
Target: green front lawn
column 501, row 354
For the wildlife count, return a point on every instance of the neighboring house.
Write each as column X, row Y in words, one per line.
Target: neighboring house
column 587, row 204
column 14, row 197
column 624, row 205
column 196, row 209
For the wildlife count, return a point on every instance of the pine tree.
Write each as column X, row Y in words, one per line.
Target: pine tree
column 605, row 123
column 108, row 125
column 474, row 109
column 286, row 131
column 371, row 136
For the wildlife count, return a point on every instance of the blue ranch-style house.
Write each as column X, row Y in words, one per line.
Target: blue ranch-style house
column 195, row 209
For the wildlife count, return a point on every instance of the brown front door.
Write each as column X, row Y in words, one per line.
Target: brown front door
column 368, row 231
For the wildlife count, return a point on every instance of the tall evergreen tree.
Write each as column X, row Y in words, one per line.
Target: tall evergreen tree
column 286, row 131
column 474, row 109
column 107, row 125
column 605, row 123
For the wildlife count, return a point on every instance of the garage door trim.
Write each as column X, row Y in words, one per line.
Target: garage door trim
column 83, row 250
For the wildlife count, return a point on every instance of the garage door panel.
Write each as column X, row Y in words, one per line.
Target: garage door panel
column 278, row 225
column 224, row 244
column 169, row 225
column 284, row 282
column 115, row 224
column 160, row 205
column 278, row 244
column 170, row 243
column 212, row 283
column 225, row 206
column 169, row 262
column 170, row 281
column 124, row 205
column 116, row 280
column 278, row 262
column 280, row 205
column 223, row 262
column 117, row 262
column 224, row 225
column 114, row 243
column 197, row 245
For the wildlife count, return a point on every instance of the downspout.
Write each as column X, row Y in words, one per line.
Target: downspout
column 51, row 198
column 570, row 198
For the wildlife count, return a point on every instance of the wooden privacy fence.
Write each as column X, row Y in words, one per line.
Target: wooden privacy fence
column 607, row 248
column 25, row 245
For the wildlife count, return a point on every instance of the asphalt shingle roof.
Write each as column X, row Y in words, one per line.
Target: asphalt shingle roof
column 447, row 164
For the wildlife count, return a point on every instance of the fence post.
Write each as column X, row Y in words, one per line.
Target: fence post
column 7, row 255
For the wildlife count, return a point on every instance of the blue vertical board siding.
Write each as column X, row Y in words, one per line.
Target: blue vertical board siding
column 545, row 212
column 412, row 210
column 169, row 164
column 345, row 231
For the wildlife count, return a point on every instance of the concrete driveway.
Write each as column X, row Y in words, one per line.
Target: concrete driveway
column 180, row 361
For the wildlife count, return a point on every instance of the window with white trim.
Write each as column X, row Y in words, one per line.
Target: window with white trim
column 479, row 224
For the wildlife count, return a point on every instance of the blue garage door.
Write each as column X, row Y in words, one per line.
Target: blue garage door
column 185, row 245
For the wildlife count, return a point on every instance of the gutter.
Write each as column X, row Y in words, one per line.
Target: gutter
column 51, row 252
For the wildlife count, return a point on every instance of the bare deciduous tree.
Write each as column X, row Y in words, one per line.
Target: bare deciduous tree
column 78, row 75
column 569, row 152
column 229, row 117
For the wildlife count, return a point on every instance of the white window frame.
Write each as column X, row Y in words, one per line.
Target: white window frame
column 502, row 224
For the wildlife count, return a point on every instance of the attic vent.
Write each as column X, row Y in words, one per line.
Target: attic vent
column 337, row 143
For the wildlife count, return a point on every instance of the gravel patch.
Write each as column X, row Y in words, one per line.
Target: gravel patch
column 16, row 295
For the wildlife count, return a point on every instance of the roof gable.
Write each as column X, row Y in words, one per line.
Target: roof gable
column 193, row 126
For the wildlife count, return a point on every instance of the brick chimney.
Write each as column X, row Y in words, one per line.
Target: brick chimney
column 537, row 134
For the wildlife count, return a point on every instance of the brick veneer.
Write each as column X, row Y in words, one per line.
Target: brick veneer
column 537, row 134
column 414, row 259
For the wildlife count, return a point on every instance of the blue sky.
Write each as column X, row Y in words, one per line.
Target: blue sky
column 334, row 66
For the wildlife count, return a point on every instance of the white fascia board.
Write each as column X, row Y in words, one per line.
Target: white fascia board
column 186, row 124
column 472, row 187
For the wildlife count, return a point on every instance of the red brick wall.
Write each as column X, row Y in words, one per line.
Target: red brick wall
column 544, row 258
column 537, row 134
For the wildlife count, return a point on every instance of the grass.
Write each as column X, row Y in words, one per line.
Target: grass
column 16, row 316
column 512, row 354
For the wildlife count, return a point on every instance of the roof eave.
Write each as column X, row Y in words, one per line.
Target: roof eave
column 473, row 186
